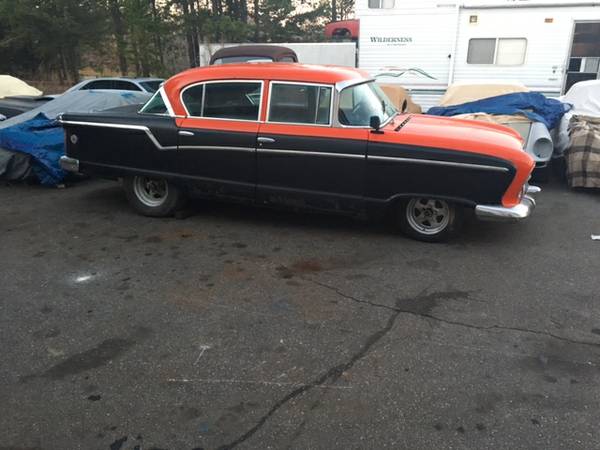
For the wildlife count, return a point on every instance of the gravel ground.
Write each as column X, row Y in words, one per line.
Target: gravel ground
column 248, row 328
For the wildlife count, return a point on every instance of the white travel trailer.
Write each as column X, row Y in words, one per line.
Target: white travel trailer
column 545, row 44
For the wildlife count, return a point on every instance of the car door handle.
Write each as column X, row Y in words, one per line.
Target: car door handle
column 185, row 133
column 265, row 140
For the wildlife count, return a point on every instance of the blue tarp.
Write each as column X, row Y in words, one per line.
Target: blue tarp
column 43, row 139
column 531, row 104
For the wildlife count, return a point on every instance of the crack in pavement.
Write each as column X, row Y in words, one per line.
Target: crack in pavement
column 449, row 295
column 330, row 377
column 420, row 306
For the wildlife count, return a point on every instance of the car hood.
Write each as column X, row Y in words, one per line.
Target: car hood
column 469, row 136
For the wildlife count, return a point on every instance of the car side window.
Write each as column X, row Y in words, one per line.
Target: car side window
column 300, row 103
column 224, row 100
column 125, row 86
column 99, row 84
column 192, row 99
column 156, row 105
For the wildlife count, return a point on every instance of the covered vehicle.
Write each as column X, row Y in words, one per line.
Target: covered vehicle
column 531, row 114
column 11, row 86
column 16, row 97
column 303, row 137
column 148, row 85
column 32, row 143
column 584, row 98
column 253, row 53
column 578, row 136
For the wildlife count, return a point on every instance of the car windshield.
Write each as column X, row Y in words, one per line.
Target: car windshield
column 151, row 86
column 360, row 102
column 242, row 59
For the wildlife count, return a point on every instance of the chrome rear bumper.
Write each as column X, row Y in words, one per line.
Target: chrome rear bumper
column 69, row 164
column 512, row 214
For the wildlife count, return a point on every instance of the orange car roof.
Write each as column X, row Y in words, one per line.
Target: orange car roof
column 266, row 71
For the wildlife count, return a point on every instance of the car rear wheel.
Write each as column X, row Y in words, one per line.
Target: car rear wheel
column 154, row 197
column 429, row 219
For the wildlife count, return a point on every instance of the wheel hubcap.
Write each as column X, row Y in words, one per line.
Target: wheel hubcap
column 151, row 191
column 428, row 215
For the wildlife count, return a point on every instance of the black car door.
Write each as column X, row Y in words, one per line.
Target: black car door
column 303, row 161
column 217, row 141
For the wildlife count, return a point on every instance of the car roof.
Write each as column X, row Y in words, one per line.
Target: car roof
column 272, row 51
column 266, row 71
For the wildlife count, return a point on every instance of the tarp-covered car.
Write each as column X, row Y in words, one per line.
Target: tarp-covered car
column 32, row 143
column 578, row 136
column 531, row 114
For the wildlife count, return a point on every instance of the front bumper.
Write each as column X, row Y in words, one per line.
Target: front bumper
column 69, row 164
column 512, row 214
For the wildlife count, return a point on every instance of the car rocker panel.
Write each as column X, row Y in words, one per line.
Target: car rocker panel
column 304, row 137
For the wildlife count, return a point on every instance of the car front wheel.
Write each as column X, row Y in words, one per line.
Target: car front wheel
column 154, row 197
column 429, row 219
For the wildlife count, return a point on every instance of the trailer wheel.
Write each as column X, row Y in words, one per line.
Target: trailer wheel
column 429, row 219
column 155, row 197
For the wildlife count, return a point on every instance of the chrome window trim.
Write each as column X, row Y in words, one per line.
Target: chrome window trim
column 301, row 83
column 438, row 163
column 341, row 85
column 354, row 83
column 166, row 101
column 204, row 83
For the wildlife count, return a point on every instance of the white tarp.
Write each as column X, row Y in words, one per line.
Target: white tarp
column 585, row 98
column 13, row 86
column 87, row 101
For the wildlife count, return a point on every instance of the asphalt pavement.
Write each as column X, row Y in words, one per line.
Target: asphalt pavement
column 246, row 328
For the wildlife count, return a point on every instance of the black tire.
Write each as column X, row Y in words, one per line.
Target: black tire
column 417, row 218
column 154, row 197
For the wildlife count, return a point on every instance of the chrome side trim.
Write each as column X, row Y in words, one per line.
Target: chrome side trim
column 438, row 163
column 216, row 147
column 532, row 190
column 121, row 126
column 69, row 164
column 501, row 213
column 303, row 152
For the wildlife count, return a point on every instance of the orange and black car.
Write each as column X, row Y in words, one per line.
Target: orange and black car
column 305, row 137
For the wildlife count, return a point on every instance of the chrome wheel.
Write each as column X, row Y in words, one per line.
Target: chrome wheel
column 427, row 215
column 150, row 191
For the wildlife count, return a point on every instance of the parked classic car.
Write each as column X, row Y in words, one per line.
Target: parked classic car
column 253, row 53
column 305, row 137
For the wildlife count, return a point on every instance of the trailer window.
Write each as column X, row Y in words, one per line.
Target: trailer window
column 497, row 51
column 381, row 4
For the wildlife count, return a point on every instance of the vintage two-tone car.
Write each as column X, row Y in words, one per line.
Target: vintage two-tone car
column 305, row 137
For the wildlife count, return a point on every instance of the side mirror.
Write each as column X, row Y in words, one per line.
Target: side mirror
column 375, row 123
column 404, row 106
